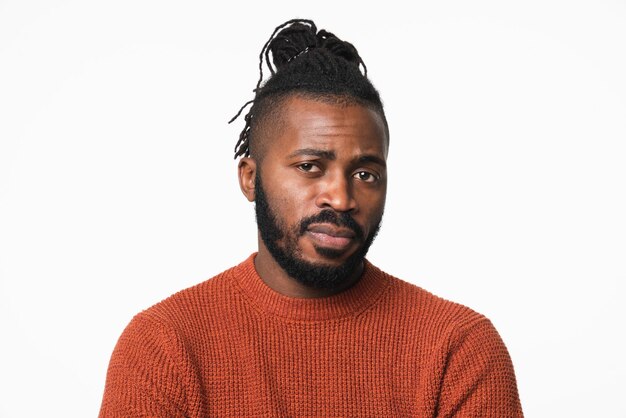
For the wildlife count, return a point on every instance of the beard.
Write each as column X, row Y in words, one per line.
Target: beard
column 282, row 243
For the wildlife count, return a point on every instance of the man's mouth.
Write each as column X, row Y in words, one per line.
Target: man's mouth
column 331, row 236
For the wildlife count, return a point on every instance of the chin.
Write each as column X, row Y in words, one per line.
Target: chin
column 328, row 255
column 318, row 267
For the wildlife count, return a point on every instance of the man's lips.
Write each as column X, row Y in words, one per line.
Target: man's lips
column 332, row 230
column 328, row 235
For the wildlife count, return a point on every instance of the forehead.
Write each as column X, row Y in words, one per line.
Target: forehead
column 344, row 127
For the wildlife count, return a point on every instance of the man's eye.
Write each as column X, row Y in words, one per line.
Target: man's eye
column 366, row 176
column 308, row 167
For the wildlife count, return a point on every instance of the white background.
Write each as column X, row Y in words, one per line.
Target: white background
column 507, row 176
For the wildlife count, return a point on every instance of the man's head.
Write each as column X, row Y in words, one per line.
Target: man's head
column 315, row 147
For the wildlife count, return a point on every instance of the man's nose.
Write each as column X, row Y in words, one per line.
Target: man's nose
column 336, row 193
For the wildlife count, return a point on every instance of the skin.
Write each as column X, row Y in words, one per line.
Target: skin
column 323, row 156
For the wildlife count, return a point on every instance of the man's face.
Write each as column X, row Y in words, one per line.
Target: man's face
column 320, row 189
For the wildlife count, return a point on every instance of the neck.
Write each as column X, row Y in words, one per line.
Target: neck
column 278, row 280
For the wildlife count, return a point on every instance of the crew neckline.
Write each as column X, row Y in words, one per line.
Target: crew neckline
column 349, row 302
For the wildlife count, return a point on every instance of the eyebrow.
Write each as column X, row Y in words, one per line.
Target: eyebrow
column 373, row 159
column 330, row 155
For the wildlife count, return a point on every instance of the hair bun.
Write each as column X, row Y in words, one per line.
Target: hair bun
column 301, row 36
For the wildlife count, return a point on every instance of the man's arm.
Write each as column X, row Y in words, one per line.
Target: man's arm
column 479, row 380
column 145, row 378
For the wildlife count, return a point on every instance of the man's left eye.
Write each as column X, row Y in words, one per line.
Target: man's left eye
column 308, row 167
column 366, row 176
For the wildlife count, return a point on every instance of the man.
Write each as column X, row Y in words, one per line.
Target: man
column 307, row 326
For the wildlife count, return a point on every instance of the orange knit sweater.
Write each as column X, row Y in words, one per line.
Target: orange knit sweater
column 232, row 347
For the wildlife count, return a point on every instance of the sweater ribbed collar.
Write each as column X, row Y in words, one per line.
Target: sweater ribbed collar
column 349, row 302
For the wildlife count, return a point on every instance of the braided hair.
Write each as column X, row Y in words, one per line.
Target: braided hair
column 308, row 62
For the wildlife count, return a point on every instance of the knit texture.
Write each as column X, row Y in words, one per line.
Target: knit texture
column 233, row 347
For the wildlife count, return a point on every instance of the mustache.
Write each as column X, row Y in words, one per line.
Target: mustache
column 329, row 216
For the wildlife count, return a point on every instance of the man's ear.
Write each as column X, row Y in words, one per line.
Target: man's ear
column 247, row 177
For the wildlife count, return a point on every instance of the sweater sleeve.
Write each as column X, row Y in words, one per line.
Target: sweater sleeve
column 144, row 377
column 479, row 380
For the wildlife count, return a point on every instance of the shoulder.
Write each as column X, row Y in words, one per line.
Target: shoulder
column 468, row 354
column 412, row 297
column 152, row 362
column 190, row 306
column 427, row 313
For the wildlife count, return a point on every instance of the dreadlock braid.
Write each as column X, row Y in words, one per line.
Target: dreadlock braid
column 309, row 62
